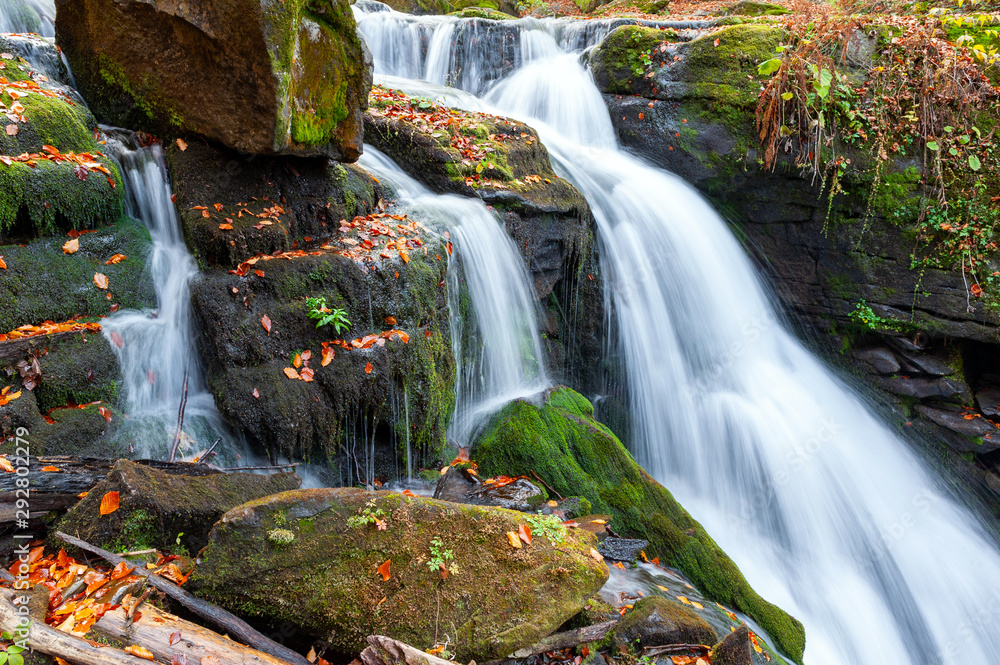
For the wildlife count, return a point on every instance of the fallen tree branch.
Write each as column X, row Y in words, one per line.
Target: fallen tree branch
column 666, row 649
column 232, row 624
column 384, row 650
column 57, row 643
column 167, row 636
column 569, row 638
column 539, row 478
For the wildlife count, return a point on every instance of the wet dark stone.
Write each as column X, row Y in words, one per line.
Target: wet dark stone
column 622, row 549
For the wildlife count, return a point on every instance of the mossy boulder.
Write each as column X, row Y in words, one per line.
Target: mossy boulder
column 157, row 508
column 310, row 557
column 734, row 649
column 398, row 392
column 70, row 431
column 562, row 442
column 481, row 12
column 752, row 8
column 313, row 195
column 421, row 7
column 655, row 621
column 260, row 76
column 41, row 282
column 46, row 195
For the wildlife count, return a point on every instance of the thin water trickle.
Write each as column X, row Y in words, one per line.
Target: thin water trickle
column 156, row 349
column 498, row 348
column 827, row 512
column 28, row 16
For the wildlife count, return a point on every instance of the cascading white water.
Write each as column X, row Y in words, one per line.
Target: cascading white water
column 156, row 349
column 28, row 16
column 828, row 514
column 500, row 359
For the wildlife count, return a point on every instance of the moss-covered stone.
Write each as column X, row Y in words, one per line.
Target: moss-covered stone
column 495, row 598
column 77, row 369
column 575, row 454
column 656, row 620
column 752, row 8
column 42, row 283
column 169, row 71
column 154, row 506
column 482, row 10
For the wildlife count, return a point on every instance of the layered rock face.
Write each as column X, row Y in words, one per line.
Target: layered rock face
column 260, row 76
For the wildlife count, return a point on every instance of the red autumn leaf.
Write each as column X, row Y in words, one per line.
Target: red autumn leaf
column 217, row 206
column 383, row 570
column 106, row 412
column 297, row 360
column 3, row 266
column 326, row 356
column 390, row 320
column 116, row 339
column 109, row 503
column 205, row 213
column 116, row 258
column 266, row 322
column 524, row 533
column 306, row 374
column 307, row 356
column 259, row 273
column 50, row 468
column 448, row 246
column 255, row 393
column 175, row 637
column 976, row 290
column 368, row 368
column 225, row 227
column 100, row 280
column 408, row 493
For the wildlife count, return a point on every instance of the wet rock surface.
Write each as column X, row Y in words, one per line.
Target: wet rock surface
column 657, row 621
column 622, row 549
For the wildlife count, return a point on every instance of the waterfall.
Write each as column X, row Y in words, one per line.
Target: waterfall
column 827, row 512
column 156, row 348
column 499, row 353
column 28, row 16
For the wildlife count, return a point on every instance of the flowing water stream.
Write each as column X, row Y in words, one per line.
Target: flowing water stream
column 499, row 352
column 156, row 348
column 827, row 512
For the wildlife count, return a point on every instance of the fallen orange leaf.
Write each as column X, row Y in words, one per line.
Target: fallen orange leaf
column 390, row 320
column 596, row 555
column 122, row 569
column 71, row 246
column 618, row 564
column 141, row 652
column 368, row 368
column 6, row 465
column 514, row 541
column 256, row 394
column 50, row 468
column 383, row 570
column 326, row 356
column 225, row 227
column 100, row 280
column 306, row 374
column 109, row 503
column 116, row 339
column 182, row 144
column 106, row 412
column 291, row 373
column 3, row 266
column 266, row 322
column 116, row 258
column 524, row 533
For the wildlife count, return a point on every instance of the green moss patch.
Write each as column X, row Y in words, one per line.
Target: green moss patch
column 576, row 455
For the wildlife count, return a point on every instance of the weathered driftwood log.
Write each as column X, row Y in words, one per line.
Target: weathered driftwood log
column 167, row 636
column 384, row 650
column 60, row 490
column 567, row 639
column 57, row 643
column 230, row 623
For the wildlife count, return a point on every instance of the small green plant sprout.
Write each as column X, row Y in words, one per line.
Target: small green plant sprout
column 11, row 654
column 547, row 526
column 281, row 537
column 440, row 559
column 866, row 316
column 369, row 514
column 326, row 316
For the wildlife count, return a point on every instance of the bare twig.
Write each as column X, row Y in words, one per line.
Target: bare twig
column 204, row 458
column 539, row 478
column 180, row 419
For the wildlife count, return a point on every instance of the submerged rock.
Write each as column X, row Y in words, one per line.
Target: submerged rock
column 319, row 559
column 656, row 621
column 160, row 510
column 574, row 454
column 262, row 76
column 734, row 649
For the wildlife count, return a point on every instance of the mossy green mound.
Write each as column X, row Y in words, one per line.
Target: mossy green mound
column 42, row 283
column 481, row 10
column 751, row 8
column 575, row 454
column 311, row 557
column 155, row 506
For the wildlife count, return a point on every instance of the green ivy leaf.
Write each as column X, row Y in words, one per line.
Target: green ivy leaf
column 974, row 163
column 932, row 145
column 769, row 67
column 953, row 152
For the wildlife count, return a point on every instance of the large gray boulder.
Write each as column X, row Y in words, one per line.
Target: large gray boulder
column 261, row 76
